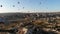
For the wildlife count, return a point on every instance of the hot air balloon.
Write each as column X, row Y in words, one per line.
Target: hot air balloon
column 18, row 2
column 23, row 7
column 0, row 5
column 13, row 5
column 40, row 3
column 18, row 6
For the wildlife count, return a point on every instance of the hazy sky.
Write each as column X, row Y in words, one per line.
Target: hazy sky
column 29, row 5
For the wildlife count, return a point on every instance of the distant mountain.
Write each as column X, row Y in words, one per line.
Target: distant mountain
column 9, row 14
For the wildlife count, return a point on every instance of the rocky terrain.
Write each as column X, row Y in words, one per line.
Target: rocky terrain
column 38, row 23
